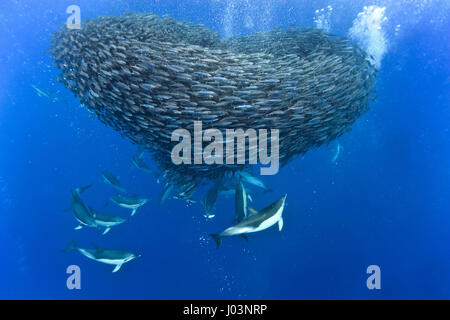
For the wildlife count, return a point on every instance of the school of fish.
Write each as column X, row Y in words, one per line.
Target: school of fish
column 146, row 75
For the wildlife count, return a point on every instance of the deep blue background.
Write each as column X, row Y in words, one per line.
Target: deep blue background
column 386, row 202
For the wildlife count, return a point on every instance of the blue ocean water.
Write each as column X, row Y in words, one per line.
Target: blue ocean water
column 385, row 200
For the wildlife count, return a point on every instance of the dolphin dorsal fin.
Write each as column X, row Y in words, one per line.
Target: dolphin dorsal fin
column 83, row 189
column 251, row 211
column 97, row 248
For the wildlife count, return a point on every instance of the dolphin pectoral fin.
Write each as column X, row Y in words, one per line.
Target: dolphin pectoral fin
column 280, row 224
column 106, row 231
column 243, row 235
column 98, row 250
column 117, row 268
column 249, row 197
column 217, row 238
column 133, row 212
column 78, row 227
column 251, row 211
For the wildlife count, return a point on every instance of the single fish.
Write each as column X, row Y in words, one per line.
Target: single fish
column 45, row 93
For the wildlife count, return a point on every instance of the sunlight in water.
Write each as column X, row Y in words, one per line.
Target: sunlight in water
column 251, row 14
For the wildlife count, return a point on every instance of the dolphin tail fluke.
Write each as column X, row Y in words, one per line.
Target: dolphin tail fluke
column 72, row 246
column 217, row 238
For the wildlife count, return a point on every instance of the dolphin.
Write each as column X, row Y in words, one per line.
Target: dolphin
column 165, row 193
column 109, row 178
column 108, row 256
column 140, row 164
column 256, row 221
column 129, row 202
column 106, row 220
column 211, row 198
column 79, row 209
column 251, row 179
column 240, row 202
